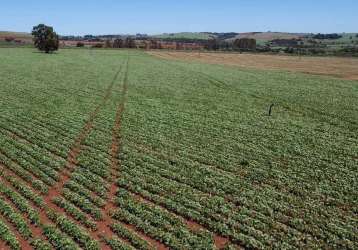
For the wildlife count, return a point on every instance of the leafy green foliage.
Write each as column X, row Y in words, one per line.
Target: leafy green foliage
column 71, row 229
column 57, row 239
column 196, row 148
column 16, row 219
column 7, row 236
column 45, row 38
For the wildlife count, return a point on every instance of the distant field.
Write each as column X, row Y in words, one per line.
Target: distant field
column 185, row 35
column 268, row 36
column 119, row 149
column 17, row 35
column 330, row 66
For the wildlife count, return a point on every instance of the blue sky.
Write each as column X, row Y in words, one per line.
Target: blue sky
column 81, row 17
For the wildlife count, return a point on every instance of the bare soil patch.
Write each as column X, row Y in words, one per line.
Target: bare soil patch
column 339, row 67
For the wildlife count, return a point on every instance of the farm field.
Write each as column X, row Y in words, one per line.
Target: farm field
column 116, row 149
column 338, row 67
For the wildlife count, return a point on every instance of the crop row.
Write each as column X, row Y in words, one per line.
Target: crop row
column 159, row 224
column 24, row 190
column 15, row 219
column 7, row 236
column 124, row 233
column 258, row 206
column 21, row 203
column 76, row 187
column 189, row 208
column 58, row 239
column 38, row 145
column 26, row 161
column 39, row 244
column 82, row 203
column 117, row 244
column 23, row 174
column 75, row 213
column 74, row 231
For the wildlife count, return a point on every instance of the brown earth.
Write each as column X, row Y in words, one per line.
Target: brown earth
column 338, row 67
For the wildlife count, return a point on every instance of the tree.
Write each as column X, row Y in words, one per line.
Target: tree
column 97, row 45
column 9, row 39
column 212, row 44
column 118, row 43
column 245, row 44
column 45, row 39
column 129, row 43
column 108, row 44
column 80, row 44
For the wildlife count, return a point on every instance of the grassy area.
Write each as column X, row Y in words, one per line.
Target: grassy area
column 196, row 146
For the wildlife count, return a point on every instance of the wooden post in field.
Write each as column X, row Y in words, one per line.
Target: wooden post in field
column 270, row 109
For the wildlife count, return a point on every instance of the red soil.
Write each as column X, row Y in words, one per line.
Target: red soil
column 103, row 226
column 3, row 246
column 220, row 242
column 192, row 225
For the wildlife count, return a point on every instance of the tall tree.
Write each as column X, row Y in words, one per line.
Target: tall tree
column 245, row 44
column 45, row 39
column 130, row 43
column 118, row 43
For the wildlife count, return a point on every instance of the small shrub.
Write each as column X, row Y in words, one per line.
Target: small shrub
column 9, row 39
column 97, row 45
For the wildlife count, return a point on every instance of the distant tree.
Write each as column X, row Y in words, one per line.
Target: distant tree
column 108, row 44
column 97, row 45
column 118, row 43
column 154, row 44
column 80, row 44
column 245, row 44
column 9, row 39
column 129, row 43
column 45, row 39
column 289, row 50
column 212, row 44
column 327, row 36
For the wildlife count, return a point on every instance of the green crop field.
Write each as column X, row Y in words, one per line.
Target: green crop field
column 117, row 149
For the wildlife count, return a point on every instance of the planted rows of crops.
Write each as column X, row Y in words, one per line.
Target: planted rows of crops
column 199, row 144
column 117, row 149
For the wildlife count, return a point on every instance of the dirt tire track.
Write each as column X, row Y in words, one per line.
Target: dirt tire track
column 71, row 163
column 75, row 150
column 104, row 229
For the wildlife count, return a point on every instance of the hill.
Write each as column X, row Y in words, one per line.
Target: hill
column 17, row 35
column 185, row 35
column 268, row 36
